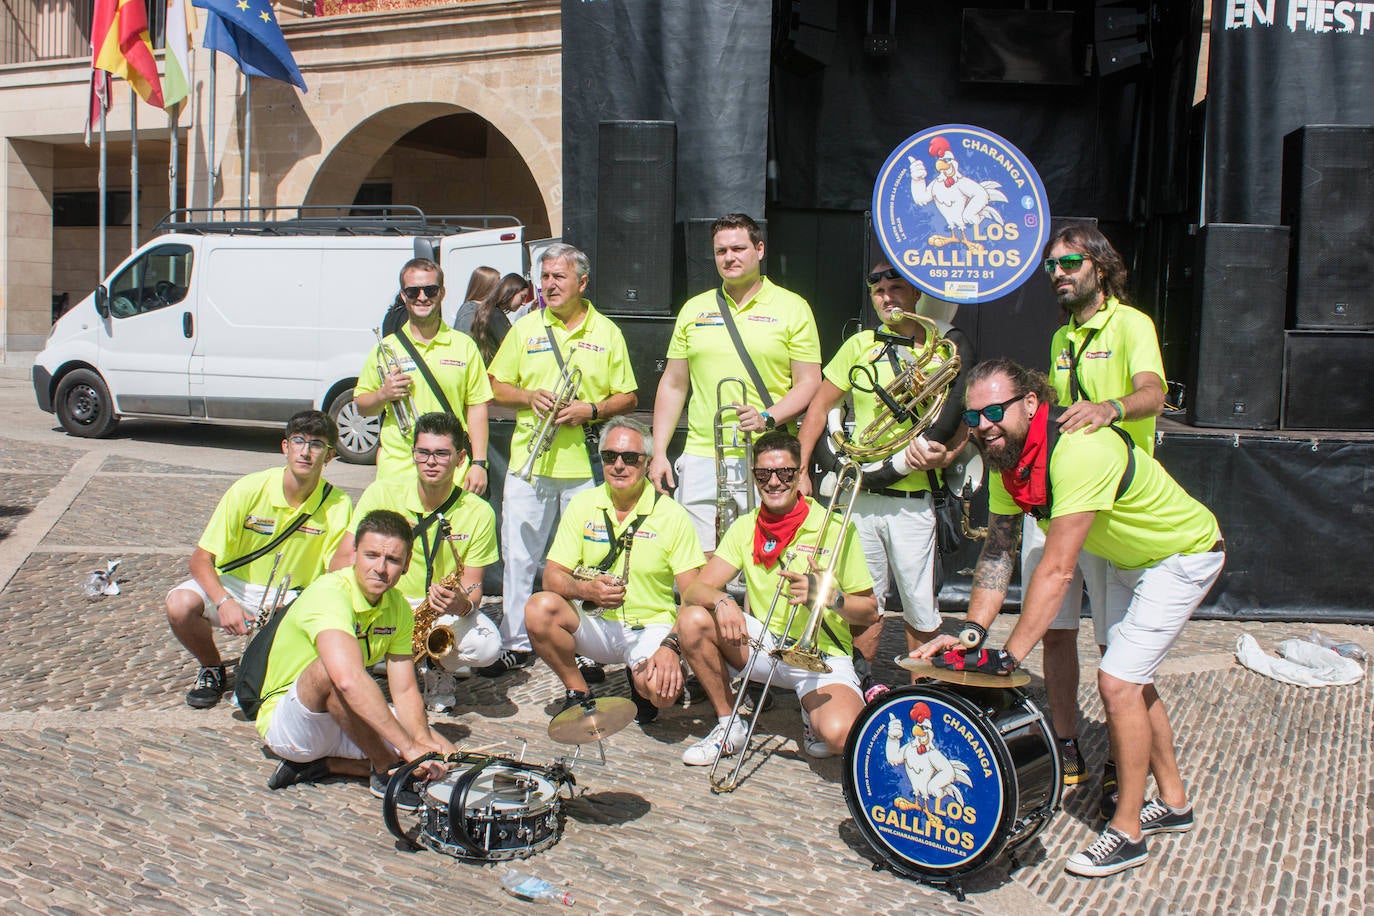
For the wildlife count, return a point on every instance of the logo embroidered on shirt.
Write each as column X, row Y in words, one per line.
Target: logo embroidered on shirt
column 383, row 631
column 538, row 345
column 259, row 525
column 709, row 320
column 460, row 363
column 766, row 319
column 596, row 532
column 310, row 529
column 588, row 345
column 1098, row 354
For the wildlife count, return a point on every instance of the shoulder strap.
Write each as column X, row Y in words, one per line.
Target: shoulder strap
column 422, row 525
column 1052, row 439
column 749, row 366
column 553, row 344
column 1075, row 383
column 619, row 544
column 425, row 372
column 272, row 545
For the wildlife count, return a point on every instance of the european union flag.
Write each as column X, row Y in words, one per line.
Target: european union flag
column 247, row 31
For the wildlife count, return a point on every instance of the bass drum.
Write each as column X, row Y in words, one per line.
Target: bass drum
column 944, row 780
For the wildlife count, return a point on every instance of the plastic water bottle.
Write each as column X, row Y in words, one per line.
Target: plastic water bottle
column 1348, row 649
column 528, row 887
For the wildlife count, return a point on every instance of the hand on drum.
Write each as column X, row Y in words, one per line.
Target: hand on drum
column 984, row 661
column 937, row 646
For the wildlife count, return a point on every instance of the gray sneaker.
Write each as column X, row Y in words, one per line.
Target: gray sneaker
column 1111, row 853
column 209, row 688
column 1157, row 817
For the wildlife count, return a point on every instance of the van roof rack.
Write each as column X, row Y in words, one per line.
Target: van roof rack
column 319, row 219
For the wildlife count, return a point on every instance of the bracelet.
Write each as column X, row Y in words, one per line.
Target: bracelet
column 479, row 463
column 671, row 642
column 596, row 414
column 838, row 606
column 716, row 608
column 1117, row 406
column 220, row 603
column 468, row 589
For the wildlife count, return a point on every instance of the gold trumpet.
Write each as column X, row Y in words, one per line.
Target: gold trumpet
column 916, row 396
column 272, row 599
column 727, row 507
column 389, row 362
column 590, row 573
column 434, row 638
column 803, row 651
column 564, row 394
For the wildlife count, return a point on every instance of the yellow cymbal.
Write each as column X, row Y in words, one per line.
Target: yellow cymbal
column 967, row 678
column 592, row 720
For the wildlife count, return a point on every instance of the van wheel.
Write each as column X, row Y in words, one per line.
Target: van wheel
column 358, row 435
column 83, row 405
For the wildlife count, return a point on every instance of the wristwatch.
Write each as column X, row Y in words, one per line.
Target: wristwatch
column 479, row 463
column 768, row 422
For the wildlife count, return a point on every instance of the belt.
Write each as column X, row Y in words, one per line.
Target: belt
column 899, row 494
column 1219, row 546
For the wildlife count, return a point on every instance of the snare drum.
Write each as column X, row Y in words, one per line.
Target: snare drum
column 944, row 780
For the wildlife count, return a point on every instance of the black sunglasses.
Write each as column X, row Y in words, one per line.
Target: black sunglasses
column 994, row 412
column 608, row 457
column 879, row 276
column 785, row 475
column 413, row 292
column 1067, row 263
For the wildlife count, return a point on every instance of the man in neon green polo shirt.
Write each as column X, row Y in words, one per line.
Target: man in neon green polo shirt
column 622, row 525
column 1094, row 490
column 237, row 554
column 452, row 358
column 779, row 333
column 1105, row 368
column 716, row 634
column 322, row 713
column 525, row 375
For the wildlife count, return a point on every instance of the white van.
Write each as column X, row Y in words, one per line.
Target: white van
column 250, row 322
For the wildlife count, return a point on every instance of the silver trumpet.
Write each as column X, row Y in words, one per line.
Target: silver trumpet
column 389, row 362
column 728, row 436
column 271, row 598
column 564, row 394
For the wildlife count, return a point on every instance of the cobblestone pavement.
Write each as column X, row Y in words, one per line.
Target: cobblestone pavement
column 120, row 798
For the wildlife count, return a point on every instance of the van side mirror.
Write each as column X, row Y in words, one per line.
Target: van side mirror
column 102, row 301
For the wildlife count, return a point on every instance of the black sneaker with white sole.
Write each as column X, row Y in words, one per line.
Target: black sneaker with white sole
column 592, row 672
column 210, row 684
column 508, row 660
column 407, row 799
column 289, row 773
column 1158, row 817
column 1111, row 853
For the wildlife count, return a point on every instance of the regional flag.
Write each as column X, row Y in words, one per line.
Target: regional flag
column 181, row 19
column 120, row 45
column 247, row 31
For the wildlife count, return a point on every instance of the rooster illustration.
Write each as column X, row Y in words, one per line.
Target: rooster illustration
column 932, row 775
column 963, row 202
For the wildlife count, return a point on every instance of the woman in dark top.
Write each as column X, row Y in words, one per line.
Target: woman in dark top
column 480, row 286
column 490, row 322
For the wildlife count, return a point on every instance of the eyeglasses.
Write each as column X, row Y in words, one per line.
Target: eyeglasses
column 609, row 457
column 413, row 292
column 424, row 456
column 1067, row 263
column 994, row 412
column 785, row 475
column 308, row 445
column 879, row 276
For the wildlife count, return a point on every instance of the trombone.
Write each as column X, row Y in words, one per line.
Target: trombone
column 564, row 394
column 803, row 651
column 728, row 436
column 387, row 363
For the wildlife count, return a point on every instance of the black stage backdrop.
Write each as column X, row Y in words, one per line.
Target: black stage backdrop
column 1275, row 66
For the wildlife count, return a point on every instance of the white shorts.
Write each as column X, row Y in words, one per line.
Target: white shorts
column 799, row 679
column 1154, row 605
column 248, row 596
column 611, row 642
column 477, row 641
column 1090, row 573
column 898, row 538
column 301, row 735
column 696, row 491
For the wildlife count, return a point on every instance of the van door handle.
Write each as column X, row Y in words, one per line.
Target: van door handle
column 187, row 328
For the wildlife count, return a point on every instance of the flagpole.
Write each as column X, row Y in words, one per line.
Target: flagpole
column 173, row 117
column 210, row 143
column 133, row 170
column 247, row 138
column 104, row 189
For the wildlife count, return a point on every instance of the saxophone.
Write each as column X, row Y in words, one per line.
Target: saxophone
column 434, row 639
column 588, row 573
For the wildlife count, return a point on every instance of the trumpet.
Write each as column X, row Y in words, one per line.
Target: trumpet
column 564, row 394
column 803, row 651
column 388, row 362
column 916, row 396
column 271, row 599
column 589, row 573
column 434, row 638
column 727, row 506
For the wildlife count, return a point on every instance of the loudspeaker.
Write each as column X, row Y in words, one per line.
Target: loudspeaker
column 701, row 256
column 647, row 338
column 1238, row 312
column 635, row 201
column 1328, row 200
column 1326, row 380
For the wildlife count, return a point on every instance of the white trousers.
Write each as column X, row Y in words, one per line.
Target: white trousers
column 529, row 516
column 898, row 538
column 696, row 491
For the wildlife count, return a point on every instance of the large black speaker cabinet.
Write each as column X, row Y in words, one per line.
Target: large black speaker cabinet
column 1234, row 379
column 1328, row 382
column 701, row 256
column 1328, row 200
column 635, row 199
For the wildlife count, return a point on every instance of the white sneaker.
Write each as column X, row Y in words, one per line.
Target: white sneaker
column 813, row 744
column 704, row 752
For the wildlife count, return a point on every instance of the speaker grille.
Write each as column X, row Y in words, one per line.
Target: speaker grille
column 636, row 197
column 1326, row 380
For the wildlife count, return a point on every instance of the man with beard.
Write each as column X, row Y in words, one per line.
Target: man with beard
column 1095, row 490
column 1105, row 368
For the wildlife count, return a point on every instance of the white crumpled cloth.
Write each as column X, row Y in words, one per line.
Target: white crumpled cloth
column 1304, row 663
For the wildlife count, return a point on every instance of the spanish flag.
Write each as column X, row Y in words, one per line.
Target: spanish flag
column 120, row 45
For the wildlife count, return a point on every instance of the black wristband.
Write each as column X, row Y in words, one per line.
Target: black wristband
column 972, row 635
column 596, row 414
column 479, row 463
column 671, row 642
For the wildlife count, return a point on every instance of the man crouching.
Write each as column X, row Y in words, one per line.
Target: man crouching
column 322, row 712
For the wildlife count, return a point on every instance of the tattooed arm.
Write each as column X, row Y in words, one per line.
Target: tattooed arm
column 991, row 577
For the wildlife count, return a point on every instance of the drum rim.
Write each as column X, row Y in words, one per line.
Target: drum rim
column 1005, row 822
column 546, row 783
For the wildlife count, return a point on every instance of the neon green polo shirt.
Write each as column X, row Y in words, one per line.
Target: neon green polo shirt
column 737, row 549
column 254, row 509
column 472, row 525
column 333, row 602
column 1124, row 346
column 526, row 360
column 776, row 326
column 1154, row 519
column 864, row 349
column 665, row 546
column 457, row 365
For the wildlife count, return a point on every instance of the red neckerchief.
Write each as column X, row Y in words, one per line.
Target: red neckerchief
column 773, row 533
column 1028, row 483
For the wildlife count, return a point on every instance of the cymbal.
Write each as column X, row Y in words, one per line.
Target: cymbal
column 966, row 678
column 592, row 720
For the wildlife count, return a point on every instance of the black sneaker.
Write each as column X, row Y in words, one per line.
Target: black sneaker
column 573, row 698
column 645, row 710
column 592, row 672
column 407, row 799
column 1157, row 817
column 1075, row 768
column 288, row 773
column 1113, row 852
column 509, row 660
column 209, row 688
column 1110, row 790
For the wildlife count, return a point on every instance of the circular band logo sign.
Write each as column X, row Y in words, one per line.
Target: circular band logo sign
column 928, row 780
column 961, row 213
